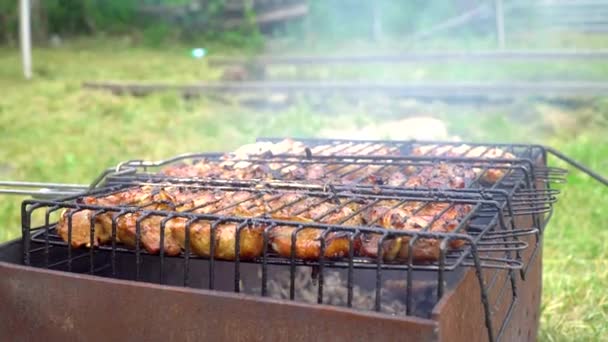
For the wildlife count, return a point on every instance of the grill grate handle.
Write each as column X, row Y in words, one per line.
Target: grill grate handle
column 578, row 165
column 41, row 190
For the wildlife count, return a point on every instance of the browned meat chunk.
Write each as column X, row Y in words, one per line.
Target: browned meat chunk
column 436, row 217
column 250, row 239
column 81, row 228
column 489, row 174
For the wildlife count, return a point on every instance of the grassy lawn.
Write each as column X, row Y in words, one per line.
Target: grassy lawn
column 52, row 130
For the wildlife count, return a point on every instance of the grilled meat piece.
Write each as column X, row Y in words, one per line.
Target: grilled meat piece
column 442, row 176
column 126, row 231
column 436, row 217
column 147, row 197
column 286, row 146
column 446, row 222
column 301, row 208
column 344, row 171
column 202, row 202
column 308, row 243
column 490, row 175
column 315, row 172
column 352, row 148
column 150, row 233
column 202, row 168
column 438, row 176
column 228, row 169
column 383, row 217
column 221, row 203
column 224, row 238
column 396, row 179
column 308, row 240
column 141, row 197
column 81, row 221
column 237, row 166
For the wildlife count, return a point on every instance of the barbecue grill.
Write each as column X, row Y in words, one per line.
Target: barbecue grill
column 480, row 281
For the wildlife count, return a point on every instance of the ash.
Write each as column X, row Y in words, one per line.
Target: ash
column 335, row 291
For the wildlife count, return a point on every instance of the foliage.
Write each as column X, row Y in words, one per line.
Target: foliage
column 157, row 35
column 8, row 21
column 327, row 20
column 124, row 17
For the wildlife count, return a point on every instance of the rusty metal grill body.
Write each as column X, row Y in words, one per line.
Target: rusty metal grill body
column 499, row 262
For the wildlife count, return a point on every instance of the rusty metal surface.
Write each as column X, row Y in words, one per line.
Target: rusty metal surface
column 524, row 323
column 454, row 325
column 61, row 306
column 459, row 312
column 66, row 306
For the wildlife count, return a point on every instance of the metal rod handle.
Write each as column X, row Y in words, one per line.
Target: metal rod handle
column 41, row 185
column 39, row 189
column 578, row 165
column 54, row 190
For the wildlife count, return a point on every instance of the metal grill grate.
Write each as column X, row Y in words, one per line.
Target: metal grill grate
column 368, row 208
column 489, row 240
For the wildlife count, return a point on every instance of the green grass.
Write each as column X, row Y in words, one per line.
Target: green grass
column 53, row 130
column 575, row 300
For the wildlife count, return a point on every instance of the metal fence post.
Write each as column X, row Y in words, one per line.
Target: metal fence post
column 25, row 37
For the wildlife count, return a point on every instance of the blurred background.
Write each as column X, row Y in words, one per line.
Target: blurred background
column 114, row 80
